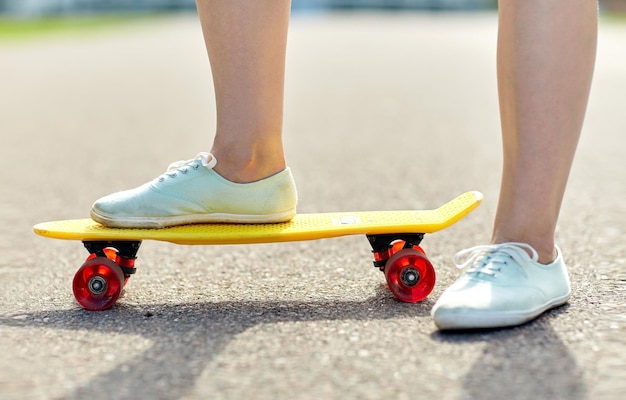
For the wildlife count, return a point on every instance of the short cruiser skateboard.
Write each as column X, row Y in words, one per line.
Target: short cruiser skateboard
column 394, row 236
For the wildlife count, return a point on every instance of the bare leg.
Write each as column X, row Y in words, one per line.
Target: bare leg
column 546, row 54
column 246, row 44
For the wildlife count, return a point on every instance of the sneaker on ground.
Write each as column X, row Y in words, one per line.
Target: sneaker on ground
column 191, row 192
column 505, row 285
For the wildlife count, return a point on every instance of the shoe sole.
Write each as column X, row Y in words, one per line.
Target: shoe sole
column 216, row 218
column 473, row 320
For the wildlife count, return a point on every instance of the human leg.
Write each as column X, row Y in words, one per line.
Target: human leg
column 246, row 44
column 546, row 53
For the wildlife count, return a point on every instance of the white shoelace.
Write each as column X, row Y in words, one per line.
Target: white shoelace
column 207, row 160
column 490, row 259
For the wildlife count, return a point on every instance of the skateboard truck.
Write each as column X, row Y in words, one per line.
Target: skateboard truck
column 124, row 255
column 385, row 245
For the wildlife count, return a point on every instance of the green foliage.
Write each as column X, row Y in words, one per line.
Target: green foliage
column 17, row 28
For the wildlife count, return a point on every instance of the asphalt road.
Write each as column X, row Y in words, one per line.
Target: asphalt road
column 382, row 112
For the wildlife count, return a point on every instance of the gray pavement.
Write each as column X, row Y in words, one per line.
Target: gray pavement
column 382, row 112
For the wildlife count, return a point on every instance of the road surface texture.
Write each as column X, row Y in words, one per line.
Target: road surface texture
column 383, row 111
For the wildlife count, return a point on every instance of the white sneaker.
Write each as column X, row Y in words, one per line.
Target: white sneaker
column 504, row 286
column 192, row 192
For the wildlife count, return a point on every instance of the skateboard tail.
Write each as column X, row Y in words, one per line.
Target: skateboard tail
column 457, row 209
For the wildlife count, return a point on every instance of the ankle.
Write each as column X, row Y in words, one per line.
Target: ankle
column 546, row 250
column 245, row 169
column 546, row 256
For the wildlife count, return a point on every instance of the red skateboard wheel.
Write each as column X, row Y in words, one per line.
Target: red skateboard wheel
column 98, row 284
column 410, row 275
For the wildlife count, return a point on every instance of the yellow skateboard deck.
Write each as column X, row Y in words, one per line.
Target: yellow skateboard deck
column 394, row 236
column 302, row 227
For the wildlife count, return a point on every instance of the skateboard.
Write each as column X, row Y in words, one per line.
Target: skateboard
column 394, row 236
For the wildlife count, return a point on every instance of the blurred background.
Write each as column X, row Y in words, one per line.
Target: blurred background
column 41, row 8
column 34, row 18
column 31, row 8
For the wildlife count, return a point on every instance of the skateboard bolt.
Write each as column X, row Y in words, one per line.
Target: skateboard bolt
column 410, row 276
column 97, row 285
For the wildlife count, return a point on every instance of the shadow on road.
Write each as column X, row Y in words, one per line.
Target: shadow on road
column 529, row 361
column 525, row 362
column 187, row 337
